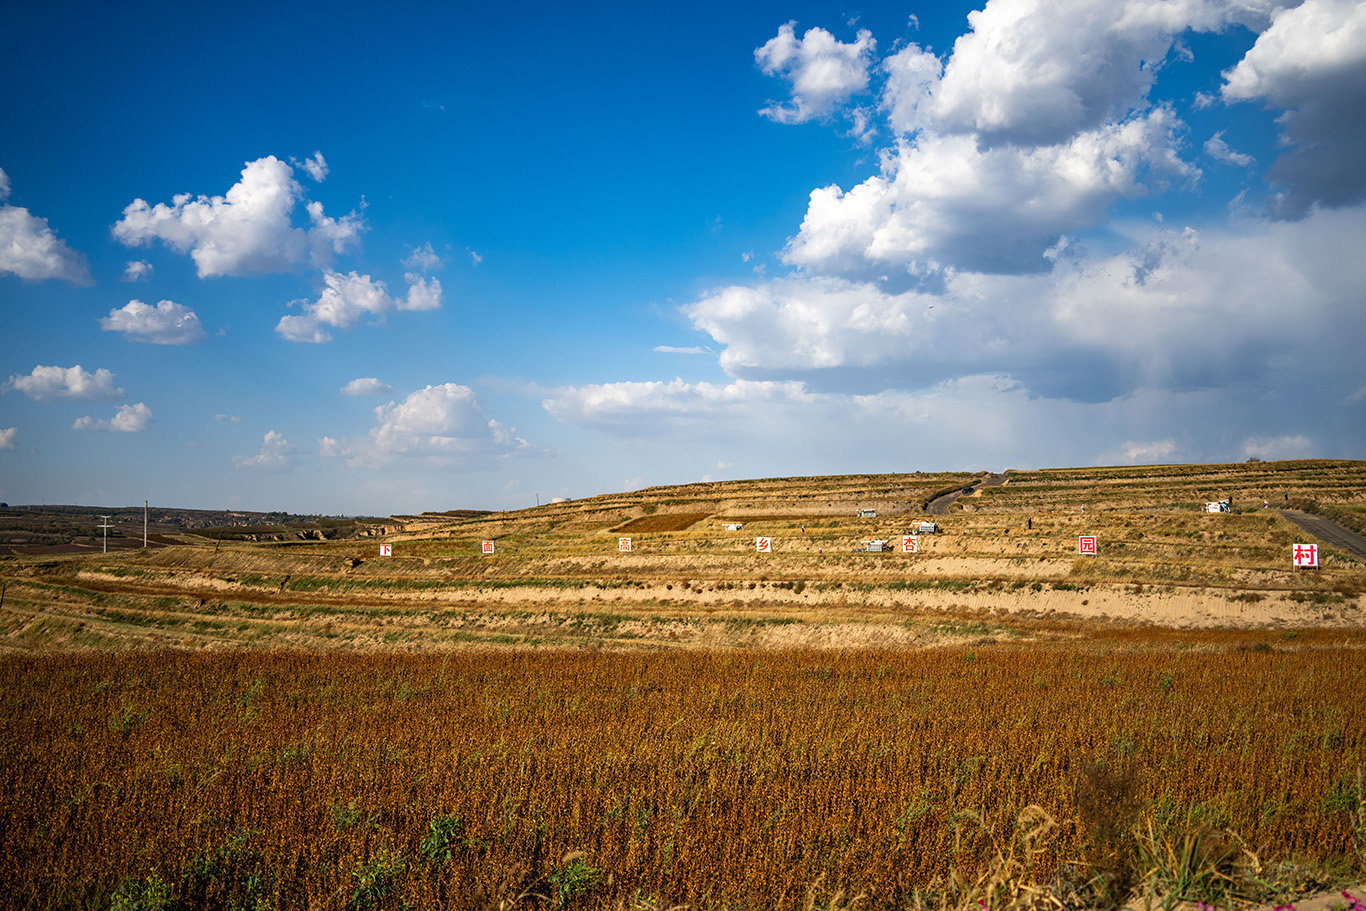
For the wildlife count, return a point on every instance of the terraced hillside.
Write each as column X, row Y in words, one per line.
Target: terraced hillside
column 1005, row 562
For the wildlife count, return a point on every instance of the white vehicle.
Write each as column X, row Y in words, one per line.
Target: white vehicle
column 1218, row 506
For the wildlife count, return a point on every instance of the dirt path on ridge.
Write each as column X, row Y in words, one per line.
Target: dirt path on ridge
column 940, row 505
column 1328, row 530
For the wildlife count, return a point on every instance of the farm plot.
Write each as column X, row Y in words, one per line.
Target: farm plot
column 736, row 780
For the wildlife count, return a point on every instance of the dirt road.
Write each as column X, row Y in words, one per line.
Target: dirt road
column 940, row 505
column 1328, row 531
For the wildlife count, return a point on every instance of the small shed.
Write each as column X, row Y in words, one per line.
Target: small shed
column 867, row 513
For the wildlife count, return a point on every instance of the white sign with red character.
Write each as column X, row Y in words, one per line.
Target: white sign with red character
column 1086, row 545
column 624, row 545
column 910, row 544
column 1306, row 554
column 488, row 547
column 763, row 545
column 386, row 550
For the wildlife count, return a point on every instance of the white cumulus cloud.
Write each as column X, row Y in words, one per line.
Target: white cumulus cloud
column 1037, row 121
column 44, row 384
column 276, row 454
column 1027, row 75
column 978, row 291
column 1175, row 308
column 246, row 231
column 129, row 419
column 7, row 437
column 946, row 201
column 168, row 323
column 136, row 270
column 1311, row 62
column 824, row 72
column 812, row 323
column 442, row 424
column 346, row 298
column 31, row 250
column 439, row 419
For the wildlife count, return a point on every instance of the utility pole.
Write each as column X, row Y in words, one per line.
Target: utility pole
column 105, row 526
column 144, row 523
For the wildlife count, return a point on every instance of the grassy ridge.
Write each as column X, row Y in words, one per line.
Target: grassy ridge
column 997, row 548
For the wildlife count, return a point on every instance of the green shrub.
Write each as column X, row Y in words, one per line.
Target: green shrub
column 150, row 893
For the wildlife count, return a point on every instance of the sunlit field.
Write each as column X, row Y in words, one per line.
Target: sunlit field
column 716, row 779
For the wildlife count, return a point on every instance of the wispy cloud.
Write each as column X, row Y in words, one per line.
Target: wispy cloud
column 367, row 385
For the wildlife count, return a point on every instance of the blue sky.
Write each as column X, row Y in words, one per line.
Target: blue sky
column 336, row 261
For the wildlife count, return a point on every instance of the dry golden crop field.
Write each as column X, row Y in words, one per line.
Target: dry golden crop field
column 718, row 779
column 221, row 722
